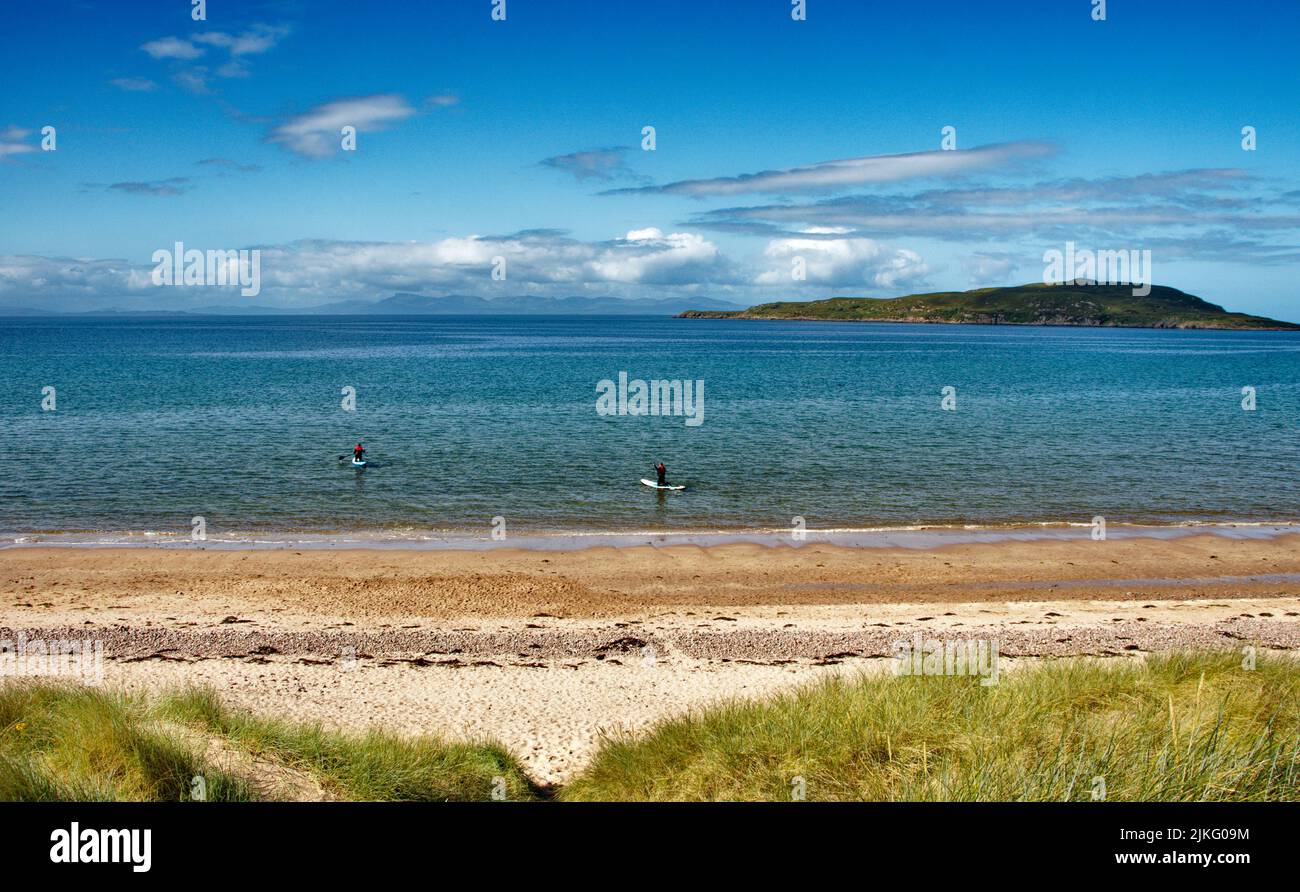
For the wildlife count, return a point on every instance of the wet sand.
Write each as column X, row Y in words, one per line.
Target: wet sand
column 137, row 583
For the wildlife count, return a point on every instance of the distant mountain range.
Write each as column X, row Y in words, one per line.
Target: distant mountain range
column 406, row 304
column 1035, row 304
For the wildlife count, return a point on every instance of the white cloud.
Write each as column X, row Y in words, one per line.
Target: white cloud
column 647, row 256
column 193, row 79
column 233, row 68
column 849, row 172
column 34, row 280
column 316, row 132
column 171, row 48
column 258, row 39
column 311, row 272
column 842, row 262
column 1219, row 213
column 464, row 263
column 989, row 268
column 11, row 141
column 902, row 269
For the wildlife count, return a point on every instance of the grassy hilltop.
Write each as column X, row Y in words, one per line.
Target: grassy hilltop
column 1090, row 305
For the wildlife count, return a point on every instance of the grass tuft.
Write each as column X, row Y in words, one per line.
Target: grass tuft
column 61, row 743
column 371, row 766
column 1180, row 727
column 79, row 744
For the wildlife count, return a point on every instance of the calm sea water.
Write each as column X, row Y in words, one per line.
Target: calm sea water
column 238, row 420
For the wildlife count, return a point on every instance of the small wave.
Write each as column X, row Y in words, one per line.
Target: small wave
column 910, row 536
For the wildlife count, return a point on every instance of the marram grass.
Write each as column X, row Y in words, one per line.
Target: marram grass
column 372, row 766
column 66, row 743
column 1171, row 728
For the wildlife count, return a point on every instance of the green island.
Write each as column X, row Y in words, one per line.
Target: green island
column 1034, row 304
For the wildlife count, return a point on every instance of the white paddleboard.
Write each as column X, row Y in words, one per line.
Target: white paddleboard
column 653, row 485
column 358, row 464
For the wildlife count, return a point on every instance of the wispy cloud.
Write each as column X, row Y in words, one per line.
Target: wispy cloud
column 193, row 79
column 11, row 142
column 839, row 175
column 168, row 187
column 171, row 48
column 197, row 79
column 1186, row 187
column 258, row 39
column 229, row 165
column 592, row 164
column 134, row 84
column 1223, row 214
column 315, row 132
column 234, row 68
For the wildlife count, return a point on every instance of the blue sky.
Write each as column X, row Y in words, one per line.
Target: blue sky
column 521, row 139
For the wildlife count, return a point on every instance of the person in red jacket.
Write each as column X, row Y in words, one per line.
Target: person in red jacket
column 357, row 452
column 662, row 471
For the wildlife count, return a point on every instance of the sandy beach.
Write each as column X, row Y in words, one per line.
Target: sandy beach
column 547, row 651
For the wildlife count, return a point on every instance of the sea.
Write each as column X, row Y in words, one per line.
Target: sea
column 225, row 431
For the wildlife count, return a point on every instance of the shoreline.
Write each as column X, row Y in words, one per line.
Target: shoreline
column 740, row 316
column 918, row 536
column 354, row 584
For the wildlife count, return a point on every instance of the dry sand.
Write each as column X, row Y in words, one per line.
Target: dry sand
column 547, row 651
